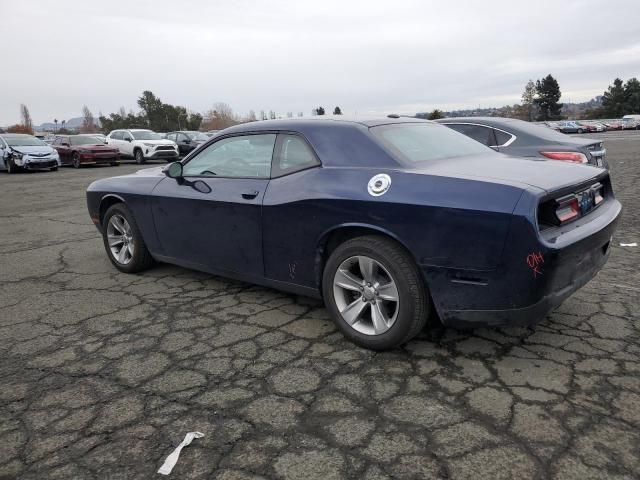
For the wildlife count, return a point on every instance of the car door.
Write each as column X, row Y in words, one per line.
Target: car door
column 183, row 142
column 114, row 140
column 211, row 218
column 126, row 143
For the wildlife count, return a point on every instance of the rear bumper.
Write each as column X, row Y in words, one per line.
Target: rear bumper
column 537, row 274
column 534, row 313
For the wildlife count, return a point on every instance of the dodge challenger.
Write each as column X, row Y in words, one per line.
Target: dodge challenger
column 390, row 221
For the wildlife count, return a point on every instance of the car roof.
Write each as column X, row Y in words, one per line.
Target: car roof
column 526, row 132
column 6, row 135
column 320, row 121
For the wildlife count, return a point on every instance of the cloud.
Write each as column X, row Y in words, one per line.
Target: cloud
column 373, row 56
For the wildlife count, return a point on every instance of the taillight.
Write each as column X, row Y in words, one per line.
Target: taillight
column 568, row 208
column 575, row 157
column 558, row 211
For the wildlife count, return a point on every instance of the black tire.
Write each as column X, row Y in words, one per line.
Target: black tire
column 141, row 259
column 54, row 169
column 580, row 130
column 139, row 156
column 11, row 166
column 115, row 164
column 414, row 306
column 76, row 160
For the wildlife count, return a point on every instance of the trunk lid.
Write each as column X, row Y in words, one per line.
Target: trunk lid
column 548, row 175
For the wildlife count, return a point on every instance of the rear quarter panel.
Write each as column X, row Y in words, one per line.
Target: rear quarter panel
column 444, row 222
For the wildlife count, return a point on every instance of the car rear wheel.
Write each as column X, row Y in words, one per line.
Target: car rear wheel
column 115, row 164
column 139, row 156
column 76, row 160
column 374, row 292
column 580, row 130
column 123, row 241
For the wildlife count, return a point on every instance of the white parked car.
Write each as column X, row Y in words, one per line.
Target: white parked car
column 143, row 145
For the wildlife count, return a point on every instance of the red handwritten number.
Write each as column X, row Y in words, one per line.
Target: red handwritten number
column 534, row 260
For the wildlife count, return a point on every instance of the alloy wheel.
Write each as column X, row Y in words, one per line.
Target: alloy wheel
column 366, row 295
column 120, row 239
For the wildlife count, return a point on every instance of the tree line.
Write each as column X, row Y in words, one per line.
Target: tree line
column 540, row 101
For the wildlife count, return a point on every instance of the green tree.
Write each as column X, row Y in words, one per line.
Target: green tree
column 528, row 98
column 547, row 96
column 337, row 111
column 435, row 114
column 320, row 111
column 632, row 93
column 614, row 100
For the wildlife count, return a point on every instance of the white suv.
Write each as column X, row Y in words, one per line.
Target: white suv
column 143, row 145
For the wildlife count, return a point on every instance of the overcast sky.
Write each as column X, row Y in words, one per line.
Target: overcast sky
column 367, row 57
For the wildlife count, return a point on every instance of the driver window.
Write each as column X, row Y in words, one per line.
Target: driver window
column 242, row 156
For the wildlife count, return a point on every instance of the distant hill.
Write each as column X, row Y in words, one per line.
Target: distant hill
column 71, row 124
column 569, row 110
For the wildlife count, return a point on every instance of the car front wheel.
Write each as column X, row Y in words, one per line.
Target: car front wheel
column 374, row 292
column 139, row 156
column 11, row 166
column 123, row 241
column 76, row 160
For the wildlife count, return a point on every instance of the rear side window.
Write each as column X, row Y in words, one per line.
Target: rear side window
column 419, row 142
column 481, row 134
column 502, row 137
column 292, row 154
column 116, row 135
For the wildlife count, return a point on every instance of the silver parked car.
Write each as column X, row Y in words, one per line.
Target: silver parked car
column 20, row 151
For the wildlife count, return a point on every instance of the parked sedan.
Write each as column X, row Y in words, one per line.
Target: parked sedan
column 525, row 139
column 26, row 152
column 187, row 141
column 79, row 150
column 376, row 217
column 571, row 127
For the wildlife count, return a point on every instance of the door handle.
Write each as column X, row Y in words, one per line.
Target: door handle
column 250, row 194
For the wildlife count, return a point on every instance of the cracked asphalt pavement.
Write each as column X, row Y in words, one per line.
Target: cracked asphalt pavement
column 102, row 373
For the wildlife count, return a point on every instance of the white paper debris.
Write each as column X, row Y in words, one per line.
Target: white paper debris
column 634, row 244
column 171, row 460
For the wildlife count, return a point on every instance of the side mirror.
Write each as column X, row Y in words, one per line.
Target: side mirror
column 173, row 170
column 187, row 140
column 128, row 139
column 65, row 145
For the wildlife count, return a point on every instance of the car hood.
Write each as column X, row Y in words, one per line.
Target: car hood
column 35, row 149
column 150, row 172
column 548, row 175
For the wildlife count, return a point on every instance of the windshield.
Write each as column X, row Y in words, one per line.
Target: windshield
column 418, row 142
column 86, row 141
column 26, row 141
column 197, row 136
column 146, row 135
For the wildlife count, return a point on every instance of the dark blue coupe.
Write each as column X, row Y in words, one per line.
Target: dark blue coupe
column 390, row 221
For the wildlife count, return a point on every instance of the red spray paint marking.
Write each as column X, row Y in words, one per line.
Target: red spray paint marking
column 534, row 260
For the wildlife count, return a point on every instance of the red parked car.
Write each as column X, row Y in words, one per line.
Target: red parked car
column 78, row 150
